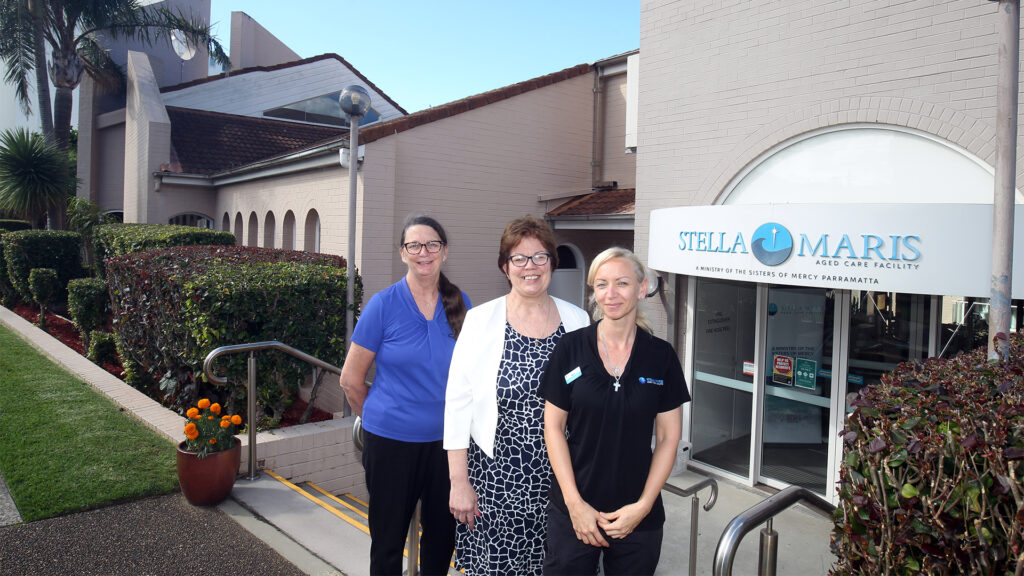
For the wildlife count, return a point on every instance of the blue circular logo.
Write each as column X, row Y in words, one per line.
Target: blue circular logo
column 642, row 380
column 771, row 244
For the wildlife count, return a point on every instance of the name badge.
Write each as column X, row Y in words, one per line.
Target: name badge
column 573, row 374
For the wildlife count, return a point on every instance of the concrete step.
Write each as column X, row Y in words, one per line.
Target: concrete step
column 333, row 527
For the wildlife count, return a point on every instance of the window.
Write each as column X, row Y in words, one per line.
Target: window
column 192, row 219
column 320, row 110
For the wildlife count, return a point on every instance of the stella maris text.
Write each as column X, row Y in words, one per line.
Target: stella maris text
column 892, row 247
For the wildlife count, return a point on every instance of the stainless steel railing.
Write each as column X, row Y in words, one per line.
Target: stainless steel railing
column 252, row 348
column 695, row 511
column 762, row 512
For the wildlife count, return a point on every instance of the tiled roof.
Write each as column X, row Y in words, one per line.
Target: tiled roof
column 210, row 142
column 600, row 203
column 371, row 133
column 281, row 67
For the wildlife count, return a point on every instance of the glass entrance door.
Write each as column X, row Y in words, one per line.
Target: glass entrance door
column 797, row 379
column 723, row 382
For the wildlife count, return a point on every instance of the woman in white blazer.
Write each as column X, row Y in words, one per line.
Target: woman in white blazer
column 493, row 421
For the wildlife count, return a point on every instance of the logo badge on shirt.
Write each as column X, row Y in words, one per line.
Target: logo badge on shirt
column 654, row 381
column 573, row 374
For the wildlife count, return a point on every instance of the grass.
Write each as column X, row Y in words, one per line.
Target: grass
column 64, row 447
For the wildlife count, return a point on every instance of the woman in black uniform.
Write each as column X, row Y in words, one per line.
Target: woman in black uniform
column 606, row 387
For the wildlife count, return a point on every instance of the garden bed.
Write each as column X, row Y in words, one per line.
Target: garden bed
column 64, row 330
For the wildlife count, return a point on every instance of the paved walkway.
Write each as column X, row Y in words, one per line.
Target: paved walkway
column 8, row 511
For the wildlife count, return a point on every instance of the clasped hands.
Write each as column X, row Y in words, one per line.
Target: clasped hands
column 592, row 526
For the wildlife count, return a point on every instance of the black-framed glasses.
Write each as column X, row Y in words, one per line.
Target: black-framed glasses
column 520, row 260
column 434, row 246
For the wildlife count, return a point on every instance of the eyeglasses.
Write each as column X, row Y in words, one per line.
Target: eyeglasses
column 434, row 246
column 519, row 260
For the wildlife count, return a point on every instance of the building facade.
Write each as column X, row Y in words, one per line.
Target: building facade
column 814, row 184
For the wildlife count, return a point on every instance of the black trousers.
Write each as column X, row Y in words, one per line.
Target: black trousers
column 398, row 474
column 636, row 554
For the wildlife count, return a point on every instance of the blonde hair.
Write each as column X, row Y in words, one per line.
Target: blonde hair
column 641, row 275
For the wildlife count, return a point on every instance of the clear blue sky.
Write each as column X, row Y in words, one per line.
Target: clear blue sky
column 428, row 53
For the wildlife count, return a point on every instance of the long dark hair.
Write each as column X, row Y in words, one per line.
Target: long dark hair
column 451, row 296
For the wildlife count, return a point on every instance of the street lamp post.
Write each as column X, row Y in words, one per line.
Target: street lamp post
column 355, row 102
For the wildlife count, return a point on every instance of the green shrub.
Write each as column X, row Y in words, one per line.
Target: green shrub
column 88, row 304
column 14, row 225
column 932, row 480
column 102, row 347
column 28, row 249
column 43, row 283
column 173, row 306
column 120, row 239
column 8, row 295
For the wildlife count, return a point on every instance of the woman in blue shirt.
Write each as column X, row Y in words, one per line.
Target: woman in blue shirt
column 409, row 331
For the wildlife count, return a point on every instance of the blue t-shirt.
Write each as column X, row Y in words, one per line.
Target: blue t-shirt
column 413, row 354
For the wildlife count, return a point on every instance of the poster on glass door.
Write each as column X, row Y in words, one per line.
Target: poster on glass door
column 796, row 329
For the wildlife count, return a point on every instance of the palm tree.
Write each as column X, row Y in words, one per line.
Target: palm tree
column 34, row 175
column 71, row 29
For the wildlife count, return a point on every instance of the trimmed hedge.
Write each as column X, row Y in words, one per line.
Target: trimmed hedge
column 120, row 239
column 14, row 225
column 28, row 249
column 88, row 304
column 932, row 480
column 43, row 284
column 8, row 295
column 102, row 347
column 173, row 306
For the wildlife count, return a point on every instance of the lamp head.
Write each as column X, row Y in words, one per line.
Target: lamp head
column 354, row 101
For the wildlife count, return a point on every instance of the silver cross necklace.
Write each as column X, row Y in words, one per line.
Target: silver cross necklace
column 616, row 368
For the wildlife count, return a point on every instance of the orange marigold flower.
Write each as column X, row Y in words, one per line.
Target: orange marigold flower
column 203, row 404
column 236, row 420
column 215, row 408
column 210, row 417
column 225, row 423
column 225, row 417
column 213, row 440
column 191, row 432
column 192, row 413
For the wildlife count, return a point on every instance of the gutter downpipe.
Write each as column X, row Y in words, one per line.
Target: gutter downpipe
column 597, row 152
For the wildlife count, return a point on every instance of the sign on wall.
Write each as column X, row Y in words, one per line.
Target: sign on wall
column 943, row 249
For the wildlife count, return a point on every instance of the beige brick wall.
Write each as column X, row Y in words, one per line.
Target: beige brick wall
column 723, row 81
column 618, row 165
column 476, row 171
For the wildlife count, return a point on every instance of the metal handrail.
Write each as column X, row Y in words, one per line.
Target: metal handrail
column 749, row 519
column 695, row 511
column 252, row 348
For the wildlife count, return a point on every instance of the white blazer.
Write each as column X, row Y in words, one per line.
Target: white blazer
column 471, row 401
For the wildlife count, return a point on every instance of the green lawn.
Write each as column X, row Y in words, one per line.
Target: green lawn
column 64, row 447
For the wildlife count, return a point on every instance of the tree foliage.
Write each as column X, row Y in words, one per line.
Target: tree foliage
column 34, row 175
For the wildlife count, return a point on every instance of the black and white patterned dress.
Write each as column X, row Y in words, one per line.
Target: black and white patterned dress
column 512, row 488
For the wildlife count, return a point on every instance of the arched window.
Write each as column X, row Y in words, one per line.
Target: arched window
column 288, row 233
column 226, row 223
column 569, row 279
column 269, row 230
column 254, row 230
column 113, row 216
column 238, row 229
column 312, row 240
column 192, row 219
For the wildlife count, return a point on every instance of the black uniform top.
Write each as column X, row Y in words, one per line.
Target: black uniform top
column 609, row 432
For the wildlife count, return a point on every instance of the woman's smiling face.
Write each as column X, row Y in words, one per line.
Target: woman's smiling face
column 425, row 264
column 530, row 280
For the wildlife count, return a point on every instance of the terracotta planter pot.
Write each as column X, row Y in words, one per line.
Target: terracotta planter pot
column 208, row 481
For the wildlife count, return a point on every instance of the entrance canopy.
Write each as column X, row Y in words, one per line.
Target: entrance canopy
column 865, row 207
